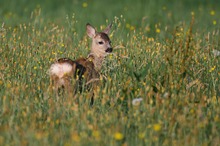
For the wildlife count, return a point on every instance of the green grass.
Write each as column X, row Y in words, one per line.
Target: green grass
column 163, row 45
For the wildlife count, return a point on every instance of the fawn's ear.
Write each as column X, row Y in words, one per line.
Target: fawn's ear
column 90, row 30
column 107, row 29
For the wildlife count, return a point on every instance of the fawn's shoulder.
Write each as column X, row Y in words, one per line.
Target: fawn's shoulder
column 87, row 63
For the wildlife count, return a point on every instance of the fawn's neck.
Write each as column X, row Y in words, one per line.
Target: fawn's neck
column 97, row 60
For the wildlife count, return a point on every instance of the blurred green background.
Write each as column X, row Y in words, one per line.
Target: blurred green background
column 137, row 13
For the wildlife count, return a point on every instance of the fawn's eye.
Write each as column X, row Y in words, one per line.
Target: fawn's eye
column 100, row 43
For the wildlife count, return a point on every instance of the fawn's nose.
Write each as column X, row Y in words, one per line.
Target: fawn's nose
column 109, row 50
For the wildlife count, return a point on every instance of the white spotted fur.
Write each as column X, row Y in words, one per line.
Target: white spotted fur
column 60, row 69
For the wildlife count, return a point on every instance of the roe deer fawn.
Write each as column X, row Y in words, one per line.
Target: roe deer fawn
column 70, row 75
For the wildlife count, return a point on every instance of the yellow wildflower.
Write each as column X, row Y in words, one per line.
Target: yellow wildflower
column 157, row 30
column 128, row 25
column 164, row 7
column 132, row 28
column 57, row 121
column 214, row 22
column 8, row 85
column 216, row 118
column 150, row 39
column 96, row 134
column 38, row 135
column 212, row 12
column 118, row 136
column 75, row 137
column 212, row 69
column 141, row 135
column 157, row 127
column 85, row 4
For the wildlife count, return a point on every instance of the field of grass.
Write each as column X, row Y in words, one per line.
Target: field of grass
column 159, row 87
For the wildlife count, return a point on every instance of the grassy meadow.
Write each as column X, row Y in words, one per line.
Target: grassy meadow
column 159, row 87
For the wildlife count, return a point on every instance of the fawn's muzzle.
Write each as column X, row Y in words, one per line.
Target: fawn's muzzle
column 109, row 50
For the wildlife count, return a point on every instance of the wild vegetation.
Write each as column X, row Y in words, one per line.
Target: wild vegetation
column 159, row 87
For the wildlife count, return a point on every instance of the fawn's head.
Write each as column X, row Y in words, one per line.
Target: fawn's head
column 101, row 44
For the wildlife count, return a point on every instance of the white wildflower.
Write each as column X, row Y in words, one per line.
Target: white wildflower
column 136, row 101
column 216, row 53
